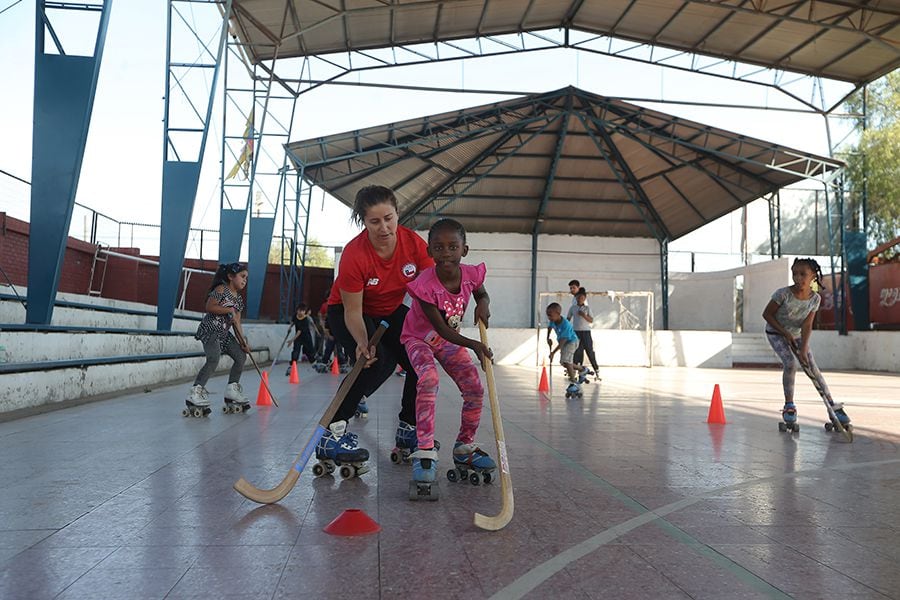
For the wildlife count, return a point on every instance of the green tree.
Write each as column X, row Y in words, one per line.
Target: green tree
column 873, row 164
column 316, row 254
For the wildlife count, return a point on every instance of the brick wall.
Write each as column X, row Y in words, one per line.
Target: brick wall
column 134, row 281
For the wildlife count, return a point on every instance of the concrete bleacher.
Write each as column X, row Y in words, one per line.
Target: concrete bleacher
column 96, row 347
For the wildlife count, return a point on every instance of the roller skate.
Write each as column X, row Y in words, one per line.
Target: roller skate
column 789, row 418
column 197, row 404
column 235, row 400
column 424, row 473
column 406, row 443
column 574, row 390
column 340, row 448
column 362, row 411
column 839, row 420
column 472, row 463
column 320, row 367
column 583, row 376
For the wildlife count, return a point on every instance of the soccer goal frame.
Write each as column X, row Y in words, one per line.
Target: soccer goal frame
column 628, row 311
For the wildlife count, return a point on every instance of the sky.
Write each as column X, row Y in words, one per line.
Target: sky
column 121, row 173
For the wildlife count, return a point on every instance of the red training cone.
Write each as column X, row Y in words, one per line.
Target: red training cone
column 352, row 521
column 262, row 397
column 335, row 367
column 295, row 377
column 716, row 410
column 543, row 386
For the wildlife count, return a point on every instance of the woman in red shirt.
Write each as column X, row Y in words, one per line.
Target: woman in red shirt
column 370, row 287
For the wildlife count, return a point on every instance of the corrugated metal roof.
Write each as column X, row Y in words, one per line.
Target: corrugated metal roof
column 850, row 40
column 562, row 162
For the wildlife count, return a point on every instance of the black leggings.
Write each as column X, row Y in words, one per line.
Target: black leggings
column 390, row 352
column 585, row 347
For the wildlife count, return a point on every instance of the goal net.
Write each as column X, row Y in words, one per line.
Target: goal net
column 622, row 329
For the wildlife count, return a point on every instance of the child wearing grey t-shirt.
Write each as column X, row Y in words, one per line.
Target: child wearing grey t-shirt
column 789, row 319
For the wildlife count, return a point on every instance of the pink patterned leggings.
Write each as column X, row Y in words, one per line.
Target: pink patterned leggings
column 458, row 364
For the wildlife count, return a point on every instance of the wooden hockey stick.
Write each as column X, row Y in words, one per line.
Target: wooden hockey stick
column 836, row 423
column 251, row 492
column 243, row 342
column 283, row 343
column 508, row 505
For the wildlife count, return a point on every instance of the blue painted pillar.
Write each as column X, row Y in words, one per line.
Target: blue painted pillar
column 64, row 88
column 180, row 181
column 260, row 241
column 231, row 234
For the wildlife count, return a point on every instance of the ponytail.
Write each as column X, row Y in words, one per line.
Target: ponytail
column 222, row 274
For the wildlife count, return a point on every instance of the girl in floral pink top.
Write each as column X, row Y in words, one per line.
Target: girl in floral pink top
column 431, row 331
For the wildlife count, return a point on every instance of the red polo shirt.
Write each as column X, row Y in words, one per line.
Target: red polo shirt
column 382, row 282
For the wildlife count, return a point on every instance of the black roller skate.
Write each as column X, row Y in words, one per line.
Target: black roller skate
column 340, row 448
column 406, row 443
column 789, row 418
column 424, row 474
column 320, row 367
column 197, row 404
column 236, row 402
column 471, row 463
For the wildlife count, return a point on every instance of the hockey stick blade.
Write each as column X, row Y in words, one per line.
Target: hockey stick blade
column 506, row 490
column 260, row 496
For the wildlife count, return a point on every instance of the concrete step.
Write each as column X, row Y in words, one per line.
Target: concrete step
column 752, row 350
column 41, row 390
column 27, row 346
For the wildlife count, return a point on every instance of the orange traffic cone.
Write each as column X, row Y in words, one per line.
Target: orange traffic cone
column 335, row 367
column 352, row 521
column 544, row 386
column 716, row 410
column 295, row 377
column 262, row 397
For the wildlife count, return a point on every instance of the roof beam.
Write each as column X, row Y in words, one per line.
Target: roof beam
column 554, row 165
column 613, row 157
column 488, row 153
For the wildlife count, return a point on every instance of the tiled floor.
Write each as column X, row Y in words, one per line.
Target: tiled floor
column 125, row 499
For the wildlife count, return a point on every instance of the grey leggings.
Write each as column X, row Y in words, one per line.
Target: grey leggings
column 789, row 363
column 214, row 352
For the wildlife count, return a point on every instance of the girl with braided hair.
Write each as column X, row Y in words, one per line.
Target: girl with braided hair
column 789, row 320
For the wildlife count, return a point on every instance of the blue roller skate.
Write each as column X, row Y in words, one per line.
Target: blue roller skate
column 406, row 443
column 574, row 390
column 583, row 376
column 789, row 418
column 424, row 473
column 362, row 411
column 472, row 463
column 840, row 421
column 340, row 448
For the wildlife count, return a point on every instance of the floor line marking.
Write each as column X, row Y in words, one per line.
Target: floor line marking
column 534, row 577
